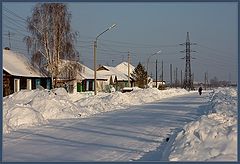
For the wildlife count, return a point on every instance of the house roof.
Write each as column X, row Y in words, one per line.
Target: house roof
column 19, row 65
column 107, row 71
column 87, row 73
column 123, row 67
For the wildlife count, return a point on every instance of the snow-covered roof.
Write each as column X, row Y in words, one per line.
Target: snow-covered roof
column 107, row 72
column 87, row 73
column 123, row 67
column 19, row 65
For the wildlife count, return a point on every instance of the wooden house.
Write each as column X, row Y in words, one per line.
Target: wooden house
column 19, row 74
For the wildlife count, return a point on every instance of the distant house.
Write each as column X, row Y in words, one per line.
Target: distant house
column 106, row 76
column 87, row 80
column 82, row 81
column 19, row 74
column 116, row 76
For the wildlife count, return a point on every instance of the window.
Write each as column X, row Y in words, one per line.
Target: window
column 38, row 83
column 48, row 84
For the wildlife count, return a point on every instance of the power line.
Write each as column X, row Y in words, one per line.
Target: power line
column 13, row 21
column 131, row 44
column 213, row 49
column 15, row 29
column 16, row 15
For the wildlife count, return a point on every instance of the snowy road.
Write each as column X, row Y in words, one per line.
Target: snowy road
column 137, row 133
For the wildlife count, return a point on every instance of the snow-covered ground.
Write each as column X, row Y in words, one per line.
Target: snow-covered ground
column 212, row 137
column 30, row 108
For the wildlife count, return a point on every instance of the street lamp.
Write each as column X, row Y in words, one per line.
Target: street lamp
column 94, row 53
column 149, row 59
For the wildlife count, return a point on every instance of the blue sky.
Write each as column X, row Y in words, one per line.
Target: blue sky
column 145, row 28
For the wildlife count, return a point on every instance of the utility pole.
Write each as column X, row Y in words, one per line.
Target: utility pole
column 188, row 80
column 205, row 81
column 192, row 80
column 94, row 54
column 95, row 67
column 162, row 74
column 9, row 38
column 128, row 69
column 156, row 73
column 174, row 77
column 176, row 82
column 171, row 75
column 181, row 78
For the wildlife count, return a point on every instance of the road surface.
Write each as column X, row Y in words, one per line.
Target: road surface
column 136, row 133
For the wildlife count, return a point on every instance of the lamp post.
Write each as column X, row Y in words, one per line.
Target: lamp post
column 149, row 59
column 94, row 53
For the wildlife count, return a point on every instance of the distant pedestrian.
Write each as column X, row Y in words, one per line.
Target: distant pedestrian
column 200, row 90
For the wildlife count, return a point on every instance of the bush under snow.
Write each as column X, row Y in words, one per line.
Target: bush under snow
column 213, row 137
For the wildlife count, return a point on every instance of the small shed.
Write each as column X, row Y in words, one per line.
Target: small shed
column 18, row 73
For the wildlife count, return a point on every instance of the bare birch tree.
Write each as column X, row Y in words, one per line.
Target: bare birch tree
column 51, row 39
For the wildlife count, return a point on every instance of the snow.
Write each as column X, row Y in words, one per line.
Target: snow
column 29, row 108
column 107, row 71
column 41, row 105
column 86, row 72
column 122, row 135
column 23, row 66
column 123, row 67
column 213, row 137
column 200, row 128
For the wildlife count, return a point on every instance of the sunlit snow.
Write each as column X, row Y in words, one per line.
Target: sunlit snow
column 199, row 128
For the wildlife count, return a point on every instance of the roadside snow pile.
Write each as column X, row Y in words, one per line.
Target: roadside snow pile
column 104, row 102
column 214, row 136
column 36, row 107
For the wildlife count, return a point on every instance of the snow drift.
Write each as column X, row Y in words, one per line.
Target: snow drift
column 31, row 108
column 213, row 137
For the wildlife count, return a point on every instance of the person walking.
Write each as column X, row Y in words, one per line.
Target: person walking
column 200, row 90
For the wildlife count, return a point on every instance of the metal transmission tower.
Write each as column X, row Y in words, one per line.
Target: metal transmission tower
column 188, row 79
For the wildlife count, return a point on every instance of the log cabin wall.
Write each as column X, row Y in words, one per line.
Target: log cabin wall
column 9, row 80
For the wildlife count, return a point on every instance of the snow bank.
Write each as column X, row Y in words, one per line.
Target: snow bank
column 213, row 137
column 35, row 107
column 30, row 108
column 104, row 102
